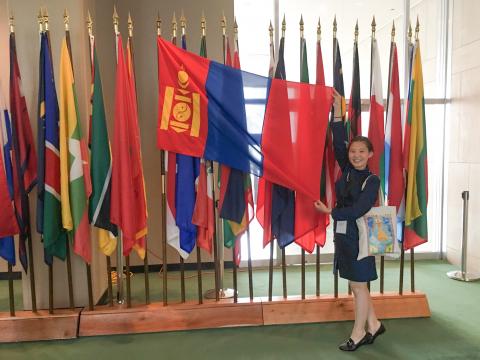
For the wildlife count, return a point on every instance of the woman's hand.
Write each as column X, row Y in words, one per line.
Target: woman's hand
column 337, row 105
column 320, row 206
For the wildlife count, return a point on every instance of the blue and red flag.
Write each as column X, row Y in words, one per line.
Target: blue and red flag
column 239, row 119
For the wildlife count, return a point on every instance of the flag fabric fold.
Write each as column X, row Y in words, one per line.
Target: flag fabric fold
column 74, row 169
column 354, row 120
column 128, row 206
column 415, row 154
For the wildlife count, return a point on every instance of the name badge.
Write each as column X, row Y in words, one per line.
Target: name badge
column 341, row 227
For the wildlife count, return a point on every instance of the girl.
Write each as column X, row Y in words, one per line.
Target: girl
column 356, row 193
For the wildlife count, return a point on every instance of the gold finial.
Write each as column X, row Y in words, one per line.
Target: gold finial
column 40, row 20
column 356, row 32
column 66, row 19
column 203, row 24
column 183, row 23
column 115, row 20
column 417, row 29
column 335, row 26
column 10, row 23
column 284, row 26
column 374, row 25
column 301, row 25
column 130, row 25
column 319, row 30
column 270, row 31
column 393, row 31
column 89, row 24
column 174, row 26
column 159, row 24
column 45, row 19
column 223, row 24
column 410, row 32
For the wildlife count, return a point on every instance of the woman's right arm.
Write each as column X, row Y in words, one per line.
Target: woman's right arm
column 340, row 143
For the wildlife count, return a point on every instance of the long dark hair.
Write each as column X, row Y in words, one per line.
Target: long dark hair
column 362, row 139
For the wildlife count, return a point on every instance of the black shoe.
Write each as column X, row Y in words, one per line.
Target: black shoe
column 380, row 331
column 350, row 345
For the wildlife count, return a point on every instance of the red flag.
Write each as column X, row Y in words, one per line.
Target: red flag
column 203, row 213
column 128, row 207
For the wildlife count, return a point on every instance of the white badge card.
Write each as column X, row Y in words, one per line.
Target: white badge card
column 341, row 227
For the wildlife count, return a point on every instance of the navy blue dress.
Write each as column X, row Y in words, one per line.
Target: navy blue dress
column 352, row 203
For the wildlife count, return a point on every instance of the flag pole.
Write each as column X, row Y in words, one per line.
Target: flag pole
column 120, row 295
column 92, row 67
column 284, row 264
column 249, row 248
column 272, row 245
column 317, row 258
column 66, row 19
column 302, row 40
column 335, row 276
column 164, row 202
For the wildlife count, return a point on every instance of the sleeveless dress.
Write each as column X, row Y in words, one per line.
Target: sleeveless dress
column 352, row 203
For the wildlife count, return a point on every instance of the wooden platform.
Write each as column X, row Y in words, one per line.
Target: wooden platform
column 29, row 326
column 105, row 320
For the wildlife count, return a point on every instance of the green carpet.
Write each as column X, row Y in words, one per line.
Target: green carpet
column 453, row 331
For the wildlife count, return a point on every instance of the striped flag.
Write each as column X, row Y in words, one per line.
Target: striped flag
column 74, row 169
column 376, row 126
column 101, row 164
column 394, row 181
column 415, row 154
column 49, row 212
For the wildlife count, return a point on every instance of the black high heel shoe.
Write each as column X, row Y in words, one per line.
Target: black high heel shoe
column 380, row 331
column 350, row 345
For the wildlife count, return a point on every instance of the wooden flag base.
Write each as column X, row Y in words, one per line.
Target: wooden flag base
column 30, row 326
column 156, row 317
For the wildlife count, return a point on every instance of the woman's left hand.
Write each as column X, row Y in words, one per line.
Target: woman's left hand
column 320, row 206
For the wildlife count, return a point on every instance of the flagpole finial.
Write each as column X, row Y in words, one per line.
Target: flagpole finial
column 270, row 31
column 393, row 31
column 66, row 19
column 301, row 25
column 11, row 23
column 374, row 25
column 89, row 24
column 174, row 26
column 410, row 32
column 335, row 26
column 223, row 24
column 417, row 29
column 203, row 24
column 130, row 25
column 356, row 32
column 284, row 26
column 40, row 20
column 183, row 23
column 159, row 24
column 235, row 29
column 45, row 19
column 319, row 30
column 115, row 20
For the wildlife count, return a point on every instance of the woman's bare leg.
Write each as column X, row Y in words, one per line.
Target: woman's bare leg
column 362, row 309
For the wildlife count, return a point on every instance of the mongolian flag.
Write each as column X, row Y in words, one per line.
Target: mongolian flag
column 24, row 156
column 8, row 222
column 309, row 223
column 49, row 211
column 128, row 205
column 376, row 126
column 238, row 119
column 101, row 164
column 74, row 169
column 415, row 150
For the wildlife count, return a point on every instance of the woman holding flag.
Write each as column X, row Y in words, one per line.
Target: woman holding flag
column 356, row 192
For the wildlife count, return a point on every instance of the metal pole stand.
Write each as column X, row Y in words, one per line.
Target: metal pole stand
column 463, row 275
column 222, row 293
column 120, row 293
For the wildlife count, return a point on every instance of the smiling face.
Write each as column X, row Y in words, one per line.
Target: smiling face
column 358, row 154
